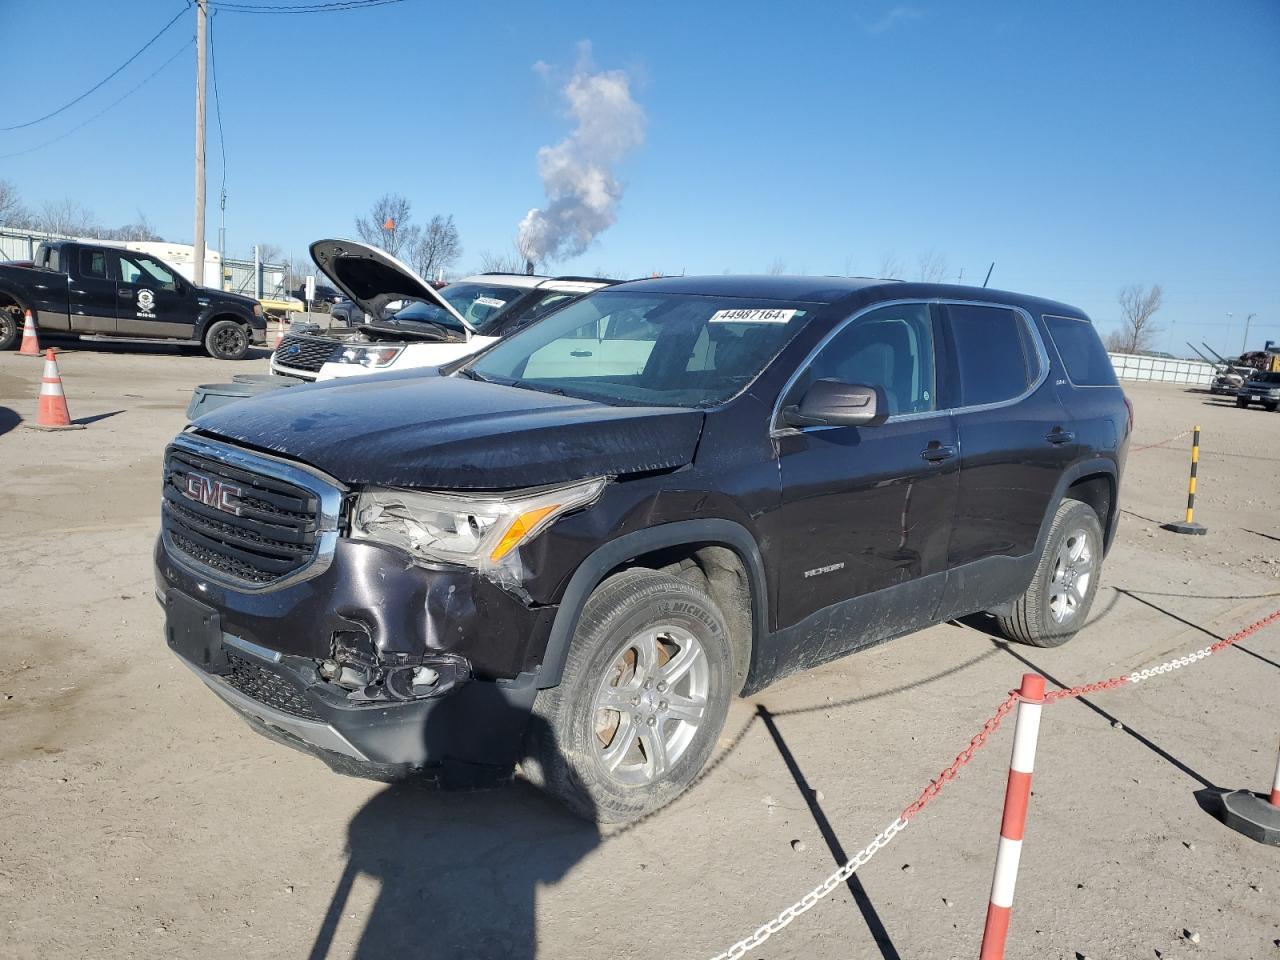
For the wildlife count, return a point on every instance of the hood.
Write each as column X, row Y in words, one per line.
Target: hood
column 212, row 293
column 450, row 433
column 372, row 278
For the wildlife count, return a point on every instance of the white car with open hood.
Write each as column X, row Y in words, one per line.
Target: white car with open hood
column 431, row 326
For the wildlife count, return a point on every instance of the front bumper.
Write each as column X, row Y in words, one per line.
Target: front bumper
column 258, row 337
column 266, row 647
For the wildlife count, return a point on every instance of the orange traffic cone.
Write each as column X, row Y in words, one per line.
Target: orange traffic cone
column 30, row 343
column 53, row 413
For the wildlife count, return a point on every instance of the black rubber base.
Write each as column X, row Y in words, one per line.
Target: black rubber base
column 1181, row 526
column 1252, row 815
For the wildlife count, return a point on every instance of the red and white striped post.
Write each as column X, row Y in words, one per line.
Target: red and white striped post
column 1017, row 794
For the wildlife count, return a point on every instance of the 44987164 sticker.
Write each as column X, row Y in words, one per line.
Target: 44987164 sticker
column 752, row 316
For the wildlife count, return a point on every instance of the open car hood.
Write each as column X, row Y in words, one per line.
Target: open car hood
column 372, row 278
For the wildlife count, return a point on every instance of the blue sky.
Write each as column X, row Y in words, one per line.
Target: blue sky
column 1082, row 146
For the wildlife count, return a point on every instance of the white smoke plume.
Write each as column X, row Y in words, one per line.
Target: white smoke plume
column 577, row 173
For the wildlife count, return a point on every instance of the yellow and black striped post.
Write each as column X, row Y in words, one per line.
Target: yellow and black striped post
column 1189, row 525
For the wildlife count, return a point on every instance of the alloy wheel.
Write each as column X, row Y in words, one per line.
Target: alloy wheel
column 650, row 704
column 1071, row 577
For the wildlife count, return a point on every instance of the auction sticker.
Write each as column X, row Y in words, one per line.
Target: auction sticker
column 490, row 302
column 752, row 316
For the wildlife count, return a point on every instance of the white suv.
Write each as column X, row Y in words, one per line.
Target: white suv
column 431, row 326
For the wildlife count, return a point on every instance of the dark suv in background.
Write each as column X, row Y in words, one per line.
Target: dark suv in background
column 570, row 551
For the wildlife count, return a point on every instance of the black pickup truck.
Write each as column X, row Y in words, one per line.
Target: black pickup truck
column 104, row 290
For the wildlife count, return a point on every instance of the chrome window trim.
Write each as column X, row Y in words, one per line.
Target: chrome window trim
column 777, row 430
column 328, row 491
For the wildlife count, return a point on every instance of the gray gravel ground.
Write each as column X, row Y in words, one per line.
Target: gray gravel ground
column 142, row 819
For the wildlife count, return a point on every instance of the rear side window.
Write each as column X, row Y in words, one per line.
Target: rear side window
column 93, row 263
column 994, row 353
column 1082, row 352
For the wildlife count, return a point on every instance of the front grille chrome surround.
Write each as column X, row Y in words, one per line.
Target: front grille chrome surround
column 286, row 530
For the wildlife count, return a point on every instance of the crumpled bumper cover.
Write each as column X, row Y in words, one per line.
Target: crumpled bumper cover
column 408, row 613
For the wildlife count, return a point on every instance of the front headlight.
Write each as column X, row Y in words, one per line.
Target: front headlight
column 378, row 356
column 479, row 530
column 257, row 309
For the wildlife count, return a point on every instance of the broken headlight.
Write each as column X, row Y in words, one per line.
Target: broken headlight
column 477, row 530
column 370, row 356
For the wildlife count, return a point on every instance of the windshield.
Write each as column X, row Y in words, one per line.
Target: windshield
column 479, row 303
column 650, row 349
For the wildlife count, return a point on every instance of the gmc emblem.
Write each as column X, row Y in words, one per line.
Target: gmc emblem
column 213, row 493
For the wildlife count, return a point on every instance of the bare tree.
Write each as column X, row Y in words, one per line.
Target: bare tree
column 140, row 229
column 890, row 267
column 512, row 261
column 12, row 212
column 777, row 267
column 67, row 216
column 389, row 225
column 933, row 267
column 1138, row 306
column 437, row 247
column 268, row 253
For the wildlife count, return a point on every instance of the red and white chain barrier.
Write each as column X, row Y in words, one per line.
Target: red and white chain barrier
column 1029, row 700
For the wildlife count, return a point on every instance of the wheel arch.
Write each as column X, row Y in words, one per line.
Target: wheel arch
column 1095, row 482
column 221, row 312
column 720, row 549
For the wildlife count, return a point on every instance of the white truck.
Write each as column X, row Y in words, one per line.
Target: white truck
column 431, row 326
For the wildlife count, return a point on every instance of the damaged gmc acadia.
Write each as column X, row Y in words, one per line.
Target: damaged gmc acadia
column 569, row 552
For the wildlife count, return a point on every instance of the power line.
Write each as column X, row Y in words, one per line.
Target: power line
column 72, row 103
column 231, row 6
column 217, row 108
column 131, row 92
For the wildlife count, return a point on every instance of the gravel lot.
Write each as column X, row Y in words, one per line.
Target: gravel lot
column 141, row 818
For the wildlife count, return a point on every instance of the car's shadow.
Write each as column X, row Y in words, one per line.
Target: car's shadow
column 458, row 873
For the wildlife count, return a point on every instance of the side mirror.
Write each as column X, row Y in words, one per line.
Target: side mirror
column 830, row 403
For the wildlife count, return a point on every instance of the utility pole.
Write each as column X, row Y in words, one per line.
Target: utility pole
column 202, row 22
column 1245, row 346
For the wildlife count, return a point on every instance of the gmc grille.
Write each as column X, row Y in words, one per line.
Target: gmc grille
column 302, row 352
column 273, row 533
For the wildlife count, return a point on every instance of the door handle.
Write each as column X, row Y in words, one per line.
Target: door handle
column 1060, row 436
column 126, row 293
column 936, row 452
column 579, row 353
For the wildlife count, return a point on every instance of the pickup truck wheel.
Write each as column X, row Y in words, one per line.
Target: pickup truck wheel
column 227, row 340
column 1270, row 407
column 1057, row 603
column 1241, row 402
column 642, row 699
column 10, row 327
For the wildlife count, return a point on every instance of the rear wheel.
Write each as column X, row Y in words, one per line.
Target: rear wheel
column 643, row 697
column 227, row 340
column 1057, row 603
column 10, row 327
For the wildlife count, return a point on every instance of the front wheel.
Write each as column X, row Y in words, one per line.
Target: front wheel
column 1270, row 407
column 1241, row 402
column 227, row 340
column 642, row 699
column 1057, row 603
